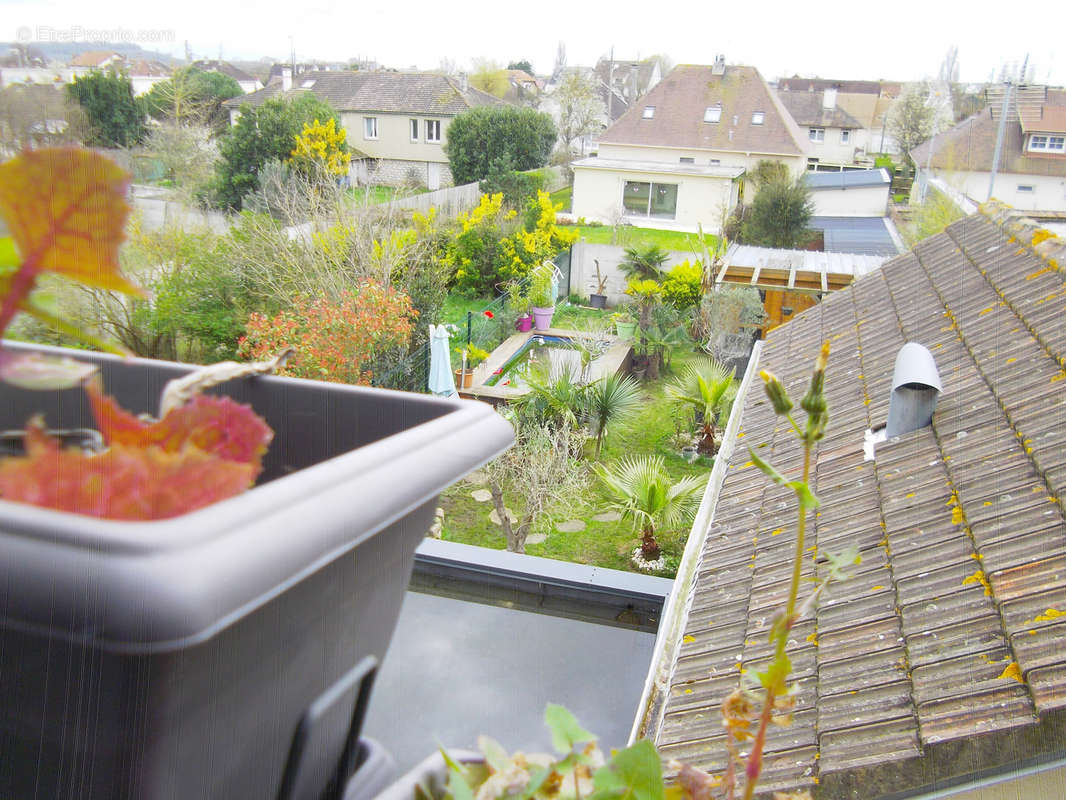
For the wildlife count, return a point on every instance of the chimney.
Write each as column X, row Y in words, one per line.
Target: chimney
column 915, row 387
column 286, row 78
column 719, row 65
column 464, row 82
column 829, row 99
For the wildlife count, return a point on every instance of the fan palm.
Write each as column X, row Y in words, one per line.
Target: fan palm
column 644, row 261
column 611, row 399
column 642, row 491
column 708, row 386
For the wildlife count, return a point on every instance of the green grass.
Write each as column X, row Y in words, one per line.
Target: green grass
column 564, row 196
column 373, row 195
column 456, row 306
column 629, row 236
column 605, row 544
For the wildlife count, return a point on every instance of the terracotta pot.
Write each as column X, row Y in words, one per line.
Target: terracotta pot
column 464, row 380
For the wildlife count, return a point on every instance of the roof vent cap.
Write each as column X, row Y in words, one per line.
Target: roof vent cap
column 915, row 387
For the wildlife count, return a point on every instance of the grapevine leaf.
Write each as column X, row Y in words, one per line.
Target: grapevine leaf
column 122, row 483
column 36, row 371
column 768, row 470
column 66, row 209
column 214, row 425
column 9, row 257
column 632, row 774
column 565, row 730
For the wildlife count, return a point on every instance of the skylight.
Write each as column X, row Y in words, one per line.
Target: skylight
column 712, row 114
column 649, row 112
column 757, row 118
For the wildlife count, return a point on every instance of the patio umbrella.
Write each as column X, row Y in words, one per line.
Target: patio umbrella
column 441, row 380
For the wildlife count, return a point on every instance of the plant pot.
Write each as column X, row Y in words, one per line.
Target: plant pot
column 228, row 652
column 598, row 300
column 464, row 380
column 625, row 330
column 542, row 317
column 524, row 323
column 428, row 778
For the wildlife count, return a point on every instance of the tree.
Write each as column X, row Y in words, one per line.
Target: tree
column 779, row 214
column 708, row 387
column 913, row 118
column 193, row 97
column 115, row 116
column 518, row 138
column 581, row 110
column 930, row 217
column 261, row 135
column 35, row 115
column 610, row 400
column 642, row 491
column 490, row 77
column 541, row 469
column 523, row 65
column 321, row 148
column 644, row 262
column 187, row 153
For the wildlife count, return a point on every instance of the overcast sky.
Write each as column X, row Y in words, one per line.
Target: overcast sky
column 901, row 40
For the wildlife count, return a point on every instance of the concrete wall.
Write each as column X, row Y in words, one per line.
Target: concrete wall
column 862, row 201
column 1049, row 193
column 727, row 158
column 448, row 202
column 583, row 259
column 700, row 200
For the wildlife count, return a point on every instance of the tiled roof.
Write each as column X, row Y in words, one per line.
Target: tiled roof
column 971, row 145
column 401, row 92
column 94, row 58
column 945, row 652
column 797, row 84
column 681, row 99
column 806, row 108
column 225, row 68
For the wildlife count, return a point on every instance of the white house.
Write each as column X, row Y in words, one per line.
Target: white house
column 850, row 193
column 676, row 159
column 1032, row 168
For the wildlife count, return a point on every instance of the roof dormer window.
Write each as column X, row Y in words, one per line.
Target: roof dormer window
column 757, row 117
column 649, row 112
column 712, row 113
column 1047, row 144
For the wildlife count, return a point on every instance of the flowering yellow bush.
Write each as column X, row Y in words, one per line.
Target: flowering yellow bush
column 321, row 146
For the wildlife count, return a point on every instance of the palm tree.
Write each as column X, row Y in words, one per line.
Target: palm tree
column 708, row 386
column 611, row 399
column 642, row 491
column 644, row 262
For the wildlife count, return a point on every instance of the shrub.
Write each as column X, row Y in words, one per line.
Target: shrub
column 334, row 340
column 682, row 285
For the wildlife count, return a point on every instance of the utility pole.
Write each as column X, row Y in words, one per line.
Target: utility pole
column 1001, row 130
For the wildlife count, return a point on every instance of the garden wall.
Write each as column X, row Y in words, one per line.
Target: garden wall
column 583, row 259
column 448, row 202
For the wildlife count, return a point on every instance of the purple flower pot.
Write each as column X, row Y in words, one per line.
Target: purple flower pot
column 542, row 317
column 524, row 323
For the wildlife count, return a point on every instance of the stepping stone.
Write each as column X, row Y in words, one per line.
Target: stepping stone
column 572, row 526
column 536, row 538
column 481, row 495
column 608, row 516
column 494, row 518
column 477, row 477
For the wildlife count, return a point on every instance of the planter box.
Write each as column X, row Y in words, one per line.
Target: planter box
column 228, row 653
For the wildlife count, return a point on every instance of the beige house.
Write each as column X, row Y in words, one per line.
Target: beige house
column 1032, row 167
column 676, row 159
column 396, row 121
column 836, row 138
column 867, row 103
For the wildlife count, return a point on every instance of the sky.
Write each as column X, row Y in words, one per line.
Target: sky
column 902, row 40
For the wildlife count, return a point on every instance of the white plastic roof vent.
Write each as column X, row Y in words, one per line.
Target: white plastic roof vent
column 915, row 387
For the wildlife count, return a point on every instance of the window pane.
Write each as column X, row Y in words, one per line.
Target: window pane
column 712, row 114
column 757, row 118
column 649, row 112
column 414, row 129
column 664, row 200
column 635, row 197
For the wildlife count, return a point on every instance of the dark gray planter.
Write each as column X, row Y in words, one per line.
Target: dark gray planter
column 228, row 653
column 598, row 300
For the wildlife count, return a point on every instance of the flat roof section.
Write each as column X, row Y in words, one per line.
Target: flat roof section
column 864, row 235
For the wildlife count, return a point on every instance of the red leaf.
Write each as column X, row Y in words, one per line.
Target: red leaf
column 217, row 426
column 123, row 483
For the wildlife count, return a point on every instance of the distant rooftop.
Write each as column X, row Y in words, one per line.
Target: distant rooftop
column 848, row 179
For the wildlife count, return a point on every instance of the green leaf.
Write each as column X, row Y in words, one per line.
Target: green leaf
column 458, row 788
column 537, row 777
column 565, row 729
column 495, row 756
column 632, row 774
column 803, row 492
column 768, row 470
column 840, row 561
column 9, row 257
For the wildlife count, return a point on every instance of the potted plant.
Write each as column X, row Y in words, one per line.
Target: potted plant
column 469, row 356
column 625, row 325
column 541, row 296
column 598, row 299
column 518, row 299
column 224, row 652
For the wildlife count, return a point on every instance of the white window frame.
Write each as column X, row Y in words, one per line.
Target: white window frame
column 648, row 113
column 432, row 127
column 712, row 114
column 370, row 128
column 413, row 125
column 845, row 136
column 1047, row 143
column 758, row 117
column 816, row 135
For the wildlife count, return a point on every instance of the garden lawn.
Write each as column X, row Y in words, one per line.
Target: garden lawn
column 605, row 544
column 629, row 236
